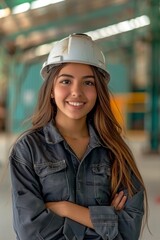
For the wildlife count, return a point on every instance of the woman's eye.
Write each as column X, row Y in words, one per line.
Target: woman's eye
column 89, row 83
column 66, row 81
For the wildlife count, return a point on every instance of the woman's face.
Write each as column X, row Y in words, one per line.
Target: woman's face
column 74, row 91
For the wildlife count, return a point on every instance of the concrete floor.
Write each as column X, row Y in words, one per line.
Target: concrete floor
column 149, row 166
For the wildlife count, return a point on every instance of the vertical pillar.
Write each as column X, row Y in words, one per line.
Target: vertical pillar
column 155, row 77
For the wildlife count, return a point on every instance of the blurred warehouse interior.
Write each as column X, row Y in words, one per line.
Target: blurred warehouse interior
column 128, row 31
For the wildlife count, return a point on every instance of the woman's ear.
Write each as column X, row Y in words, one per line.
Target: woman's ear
column 52, row 96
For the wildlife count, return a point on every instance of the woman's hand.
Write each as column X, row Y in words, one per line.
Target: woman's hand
column 119, row 201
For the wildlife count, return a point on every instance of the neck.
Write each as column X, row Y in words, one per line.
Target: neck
column 72, row 128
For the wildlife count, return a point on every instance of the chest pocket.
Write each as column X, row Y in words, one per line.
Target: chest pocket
column 53, row 179
column 102, row 183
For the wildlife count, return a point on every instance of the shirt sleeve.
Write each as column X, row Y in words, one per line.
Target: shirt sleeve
column 31, row 219
column 125, row 224
column 73, row 230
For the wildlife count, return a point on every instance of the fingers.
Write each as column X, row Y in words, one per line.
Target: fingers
column 119, row 201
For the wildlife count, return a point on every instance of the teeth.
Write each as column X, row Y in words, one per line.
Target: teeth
column 75, row 103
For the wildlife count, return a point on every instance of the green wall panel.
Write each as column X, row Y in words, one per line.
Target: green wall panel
column 22, row 95
column 119, row 82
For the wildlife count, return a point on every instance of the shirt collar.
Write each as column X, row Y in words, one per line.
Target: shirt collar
column 53, row 136
column 95, row 140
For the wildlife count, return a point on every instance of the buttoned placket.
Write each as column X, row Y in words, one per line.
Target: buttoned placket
column 77, row 165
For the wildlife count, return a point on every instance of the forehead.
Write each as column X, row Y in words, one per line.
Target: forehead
column 76, row 68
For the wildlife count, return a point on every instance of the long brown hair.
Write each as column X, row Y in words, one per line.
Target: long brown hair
column 105, row 124
column 110, row 131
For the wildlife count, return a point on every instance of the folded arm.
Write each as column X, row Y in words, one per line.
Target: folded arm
column 79, row 213
column 123, row 218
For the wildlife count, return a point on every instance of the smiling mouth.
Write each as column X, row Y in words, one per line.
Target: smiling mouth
column 75, row 103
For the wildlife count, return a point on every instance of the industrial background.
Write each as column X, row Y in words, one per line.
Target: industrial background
column 128, row 32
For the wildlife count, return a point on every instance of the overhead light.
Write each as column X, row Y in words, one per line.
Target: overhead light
column 42, row 3
column 34, row 5
column 21, row 8
column 4, row 12
column 120, row 27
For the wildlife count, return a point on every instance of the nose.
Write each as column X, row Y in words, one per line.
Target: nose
column 76, row 90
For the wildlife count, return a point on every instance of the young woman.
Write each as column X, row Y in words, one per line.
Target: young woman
column 73, row 176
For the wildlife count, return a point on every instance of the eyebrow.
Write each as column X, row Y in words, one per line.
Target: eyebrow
column 68, row 75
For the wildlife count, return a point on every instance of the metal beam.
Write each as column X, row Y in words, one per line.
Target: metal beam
column 118, row 11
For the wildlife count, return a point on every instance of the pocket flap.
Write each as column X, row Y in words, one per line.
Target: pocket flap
column 44, row 169
column 101, row 169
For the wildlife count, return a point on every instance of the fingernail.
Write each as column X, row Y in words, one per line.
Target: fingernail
column 121, row 192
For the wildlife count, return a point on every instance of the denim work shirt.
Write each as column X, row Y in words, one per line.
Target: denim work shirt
column 44, row 168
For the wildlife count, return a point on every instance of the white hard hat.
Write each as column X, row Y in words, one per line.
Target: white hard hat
column 77, row 48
